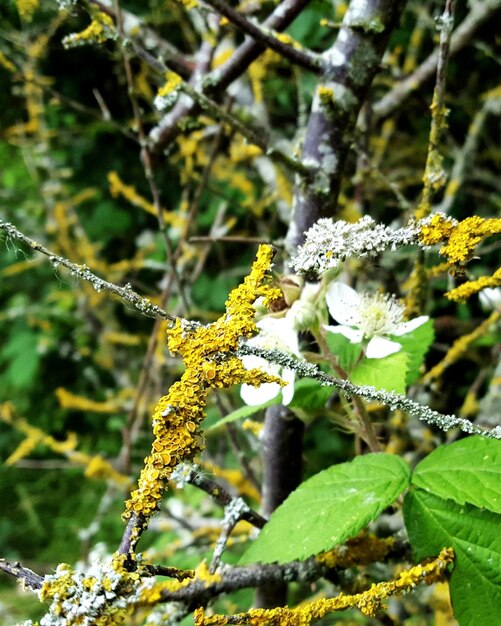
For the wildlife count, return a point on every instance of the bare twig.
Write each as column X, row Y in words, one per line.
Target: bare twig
column 480, row 13
column 303, row 58
column 219, row 494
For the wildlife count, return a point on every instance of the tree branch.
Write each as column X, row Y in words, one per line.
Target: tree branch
column 303, row 58
column 349, row 68
column 481, row 11
column 126, row 293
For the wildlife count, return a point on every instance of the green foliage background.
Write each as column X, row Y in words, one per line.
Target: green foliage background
column 53, row 329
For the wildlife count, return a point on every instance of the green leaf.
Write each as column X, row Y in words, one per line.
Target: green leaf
column 416, row 345
column 330, row 507
column 434, row 523
column 23, row 359
column 346, row 352
column 388, row 373
column 244, row 411
column 467, row 471
column 310, row 395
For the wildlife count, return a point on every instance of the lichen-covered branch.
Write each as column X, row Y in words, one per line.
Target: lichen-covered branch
column 388, row 398
column 349, row 68
column 142, row 304
column 215, row 83
column 480, row 12
column 303, row 58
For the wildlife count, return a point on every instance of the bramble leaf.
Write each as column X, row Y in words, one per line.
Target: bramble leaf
column 433, row 523
column 467, row 471
column 330, row 507
column 389, row 373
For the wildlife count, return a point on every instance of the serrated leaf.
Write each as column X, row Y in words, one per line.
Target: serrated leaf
column 243, row 412
column 416, row 344
column 388, row 373
column 465, row 471
column 330, row 507
column 341, row 347
column 434, row 523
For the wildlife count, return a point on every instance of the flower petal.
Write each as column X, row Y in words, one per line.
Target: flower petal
column 379, row 347
column 354, row 335
column 406, row 327
column 288, row 391
column 253, row 396
column 343, row 303
column 277, row 333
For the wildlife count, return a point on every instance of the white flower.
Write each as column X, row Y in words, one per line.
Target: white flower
column 490, row 299
column 275, row 333
column 368, row 317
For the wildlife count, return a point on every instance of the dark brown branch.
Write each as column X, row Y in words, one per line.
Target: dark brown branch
column 303, row 58
column 282, row 473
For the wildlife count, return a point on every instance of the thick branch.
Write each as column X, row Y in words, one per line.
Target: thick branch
column 282, row 473
column 350, row 66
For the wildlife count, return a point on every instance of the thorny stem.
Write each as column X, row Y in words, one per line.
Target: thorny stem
column 143, row 305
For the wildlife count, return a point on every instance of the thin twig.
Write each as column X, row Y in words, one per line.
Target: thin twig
column 480, row 12
column 31, row 580
column 303, row 58
column 220, row 495
column 388, row 398
column 126, row 293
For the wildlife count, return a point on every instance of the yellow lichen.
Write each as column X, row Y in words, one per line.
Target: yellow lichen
column 466, row 290
column 68, row 400
column 26, row 8
column 361, row 550
column 460, row 347
column 369, row 602
column 5, row 63
column 98, row 31
column 461, row 238
column 206, row 354
column 172, row 82
column 326, row 95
